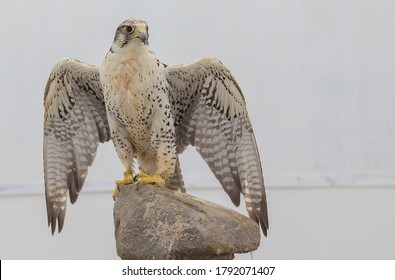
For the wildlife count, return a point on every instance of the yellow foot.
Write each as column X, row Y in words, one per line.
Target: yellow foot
column 127, row 179
column 147, row 179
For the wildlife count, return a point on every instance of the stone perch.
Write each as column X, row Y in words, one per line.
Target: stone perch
column 158, row 223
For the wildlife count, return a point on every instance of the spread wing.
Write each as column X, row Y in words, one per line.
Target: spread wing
column 210, row 114
column 75, row 122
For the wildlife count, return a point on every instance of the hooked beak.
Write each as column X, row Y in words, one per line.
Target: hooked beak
column 143, row 37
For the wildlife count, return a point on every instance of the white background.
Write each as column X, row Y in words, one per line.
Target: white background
column 283, row 269
column 318, row 77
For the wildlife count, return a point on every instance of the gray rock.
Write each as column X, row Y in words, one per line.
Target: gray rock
column 158, row 223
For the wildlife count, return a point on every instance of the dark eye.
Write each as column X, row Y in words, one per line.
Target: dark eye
column 128, row 28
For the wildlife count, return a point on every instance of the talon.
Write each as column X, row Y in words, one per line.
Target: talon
column 147, row 179
column 127, row 179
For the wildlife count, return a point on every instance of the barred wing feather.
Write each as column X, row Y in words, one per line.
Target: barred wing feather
column 210, row 114
column 75, row 122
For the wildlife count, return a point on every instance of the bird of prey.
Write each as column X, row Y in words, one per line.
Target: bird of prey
column 152, row 112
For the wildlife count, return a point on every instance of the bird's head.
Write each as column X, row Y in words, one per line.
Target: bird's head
column 129, row 31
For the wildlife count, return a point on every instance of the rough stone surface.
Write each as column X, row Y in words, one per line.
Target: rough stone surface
column 158, row 223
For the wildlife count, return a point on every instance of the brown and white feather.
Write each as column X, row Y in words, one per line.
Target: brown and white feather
column 210, row 114
column 75, row 123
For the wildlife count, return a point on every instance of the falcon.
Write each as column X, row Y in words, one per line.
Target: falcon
column 152, row 112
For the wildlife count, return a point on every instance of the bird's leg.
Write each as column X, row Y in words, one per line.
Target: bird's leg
column 127, row 179
column 164, row 169
column 147, row 179
column 124, row 149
